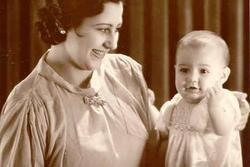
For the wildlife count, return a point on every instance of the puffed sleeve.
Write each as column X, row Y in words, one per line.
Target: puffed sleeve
column 165, row 114
column 153, row 111
column 127, row 73
column 23, row 132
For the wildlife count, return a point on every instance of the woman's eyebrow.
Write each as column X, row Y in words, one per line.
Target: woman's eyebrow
column 107, row 24
column 103, row 24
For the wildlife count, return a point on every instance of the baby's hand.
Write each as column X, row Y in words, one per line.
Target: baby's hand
column 215, row 96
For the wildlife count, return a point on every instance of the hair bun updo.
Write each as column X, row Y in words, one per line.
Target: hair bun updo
column 50, row 25
column 59, row 16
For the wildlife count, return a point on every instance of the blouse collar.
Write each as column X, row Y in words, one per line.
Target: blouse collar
column 48, row 72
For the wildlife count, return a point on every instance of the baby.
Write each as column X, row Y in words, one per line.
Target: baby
column 201, row 119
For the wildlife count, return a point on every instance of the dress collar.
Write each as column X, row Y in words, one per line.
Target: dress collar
column 48, row 72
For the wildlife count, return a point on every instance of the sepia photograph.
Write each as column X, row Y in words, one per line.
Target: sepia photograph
column 124, row 83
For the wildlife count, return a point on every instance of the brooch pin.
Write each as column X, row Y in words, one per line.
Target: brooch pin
column 93, row 100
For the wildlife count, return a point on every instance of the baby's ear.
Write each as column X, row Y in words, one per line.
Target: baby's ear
column 225, row 74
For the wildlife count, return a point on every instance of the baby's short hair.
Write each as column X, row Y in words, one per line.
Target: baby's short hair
column 202, row 38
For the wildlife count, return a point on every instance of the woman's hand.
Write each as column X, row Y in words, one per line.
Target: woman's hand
column 244, row 107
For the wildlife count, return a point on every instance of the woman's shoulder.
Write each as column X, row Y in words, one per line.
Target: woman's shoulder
column 24, row 104
column 24, row 118
column 29, row 92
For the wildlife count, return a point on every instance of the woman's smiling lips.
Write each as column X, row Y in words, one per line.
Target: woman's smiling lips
column 98, row 53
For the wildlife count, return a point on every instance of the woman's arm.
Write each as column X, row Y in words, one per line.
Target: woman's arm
column 22, row 133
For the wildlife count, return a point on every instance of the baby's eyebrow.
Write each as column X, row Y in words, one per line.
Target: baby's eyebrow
column 182, row 65
column 204, row 65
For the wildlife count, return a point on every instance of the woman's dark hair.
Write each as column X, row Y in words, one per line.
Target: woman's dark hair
column 56, row 19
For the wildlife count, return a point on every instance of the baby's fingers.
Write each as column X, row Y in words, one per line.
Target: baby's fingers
column 215, row 90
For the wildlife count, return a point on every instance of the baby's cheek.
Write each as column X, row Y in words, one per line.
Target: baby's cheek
column 208, row 83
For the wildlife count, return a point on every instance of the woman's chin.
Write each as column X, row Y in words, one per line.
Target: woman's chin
column 94, row 66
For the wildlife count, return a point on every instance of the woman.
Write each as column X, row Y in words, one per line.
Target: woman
column 80, row 106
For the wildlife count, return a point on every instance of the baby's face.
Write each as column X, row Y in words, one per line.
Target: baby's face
column 196, row 70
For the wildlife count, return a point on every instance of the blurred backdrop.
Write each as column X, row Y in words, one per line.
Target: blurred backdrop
column 150, row 32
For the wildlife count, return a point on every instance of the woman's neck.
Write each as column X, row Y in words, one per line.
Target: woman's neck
column 58, row 59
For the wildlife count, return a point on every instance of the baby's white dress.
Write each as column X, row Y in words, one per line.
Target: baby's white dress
column 192, row 141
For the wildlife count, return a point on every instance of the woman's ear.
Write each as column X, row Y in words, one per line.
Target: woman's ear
column 225, row 75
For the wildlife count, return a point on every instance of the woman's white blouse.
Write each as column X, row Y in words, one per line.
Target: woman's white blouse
column 46, row 121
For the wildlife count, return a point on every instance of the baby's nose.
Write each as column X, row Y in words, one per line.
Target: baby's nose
column 194, row 77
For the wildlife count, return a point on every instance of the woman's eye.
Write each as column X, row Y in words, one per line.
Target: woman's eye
column 109, row 30
column 104, row 30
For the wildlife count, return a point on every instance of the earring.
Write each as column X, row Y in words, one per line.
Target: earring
column 60, row 29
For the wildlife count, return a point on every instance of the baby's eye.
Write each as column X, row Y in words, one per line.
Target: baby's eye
column 183, row 70
column 204, row 71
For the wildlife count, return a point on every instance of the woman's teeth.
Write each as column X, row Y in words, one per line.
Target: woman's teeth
column 98, row 53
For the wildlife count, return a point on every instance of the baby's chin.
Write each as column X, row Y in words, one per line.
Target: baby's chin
column 193, row 100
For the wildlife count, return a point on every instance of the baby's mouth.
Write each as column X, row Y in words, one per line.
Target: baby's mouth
column 192, row 89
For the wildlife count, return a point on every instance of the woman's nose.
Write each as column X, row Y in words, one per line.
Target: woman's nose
column 111, row 42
